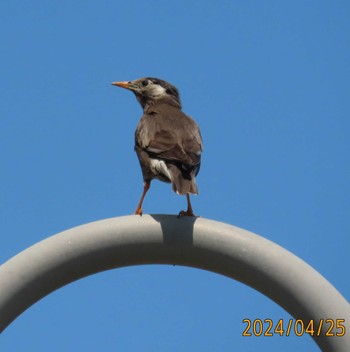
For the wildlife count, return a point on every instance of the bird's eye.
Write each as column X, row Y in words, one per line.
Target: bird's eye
column 144, row 83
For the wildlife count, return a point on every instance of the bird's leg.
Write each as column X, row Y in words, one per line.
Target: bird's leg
column 146, row 186
column 189, row 211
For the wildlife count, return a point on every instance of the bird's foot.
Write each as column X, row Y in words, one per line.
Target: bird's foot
column 138, row 211
column 185, row 213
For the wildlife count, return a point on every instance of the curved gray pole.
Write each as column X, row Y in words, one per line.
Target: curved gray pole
column 165, row 239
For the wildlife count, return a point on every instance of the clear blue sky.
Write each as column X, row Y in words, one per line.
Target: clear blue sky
column 268, row 83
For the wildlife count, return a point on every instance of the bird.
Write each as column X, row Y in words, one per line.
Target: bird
column 168, row 143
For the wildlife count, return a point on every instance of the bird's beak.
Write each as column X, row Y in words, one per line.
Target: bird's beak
column 126, row 85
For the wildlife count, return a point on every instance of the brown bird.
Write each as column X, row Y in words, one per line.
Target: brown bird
column 168, row 143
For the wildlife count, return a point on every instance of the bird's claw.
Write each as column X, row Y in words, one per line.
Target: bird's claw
column 138, row 211
column 185, row 213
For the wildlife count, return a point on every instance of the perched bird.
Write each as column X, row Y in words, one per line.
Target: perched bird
column 168, row 143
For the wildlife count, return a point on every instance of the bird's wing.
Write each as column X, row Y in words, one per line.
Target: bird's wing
column 169, row 134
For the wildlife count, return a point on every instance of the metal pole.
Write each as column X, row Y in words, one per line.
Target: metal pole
column 165, row 239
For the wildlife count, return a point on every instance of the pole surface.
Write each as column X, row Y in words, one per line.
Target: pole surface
column 165, row 239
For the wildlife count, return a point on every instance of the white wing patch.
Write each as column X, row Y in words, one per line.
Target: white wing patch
column 154, row 150
column 159, row 167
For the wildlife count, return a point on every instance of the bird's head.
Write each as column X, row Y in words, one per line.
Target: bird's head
column 149, row 91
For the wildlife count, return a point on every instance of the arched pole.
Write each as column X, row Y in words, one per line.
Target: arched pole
column 166, row 239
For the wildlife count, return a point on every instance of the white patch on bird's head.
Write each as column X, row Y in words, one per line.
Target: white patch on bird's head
column 150, row 90
column 148, row 87
column 155, row 90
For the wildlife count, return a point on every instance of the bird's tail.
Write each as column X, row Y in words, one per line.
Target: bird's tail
column 183, row 181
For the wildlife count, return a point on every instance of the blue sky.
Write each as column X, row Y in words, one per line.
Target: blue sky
column 268, row 83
